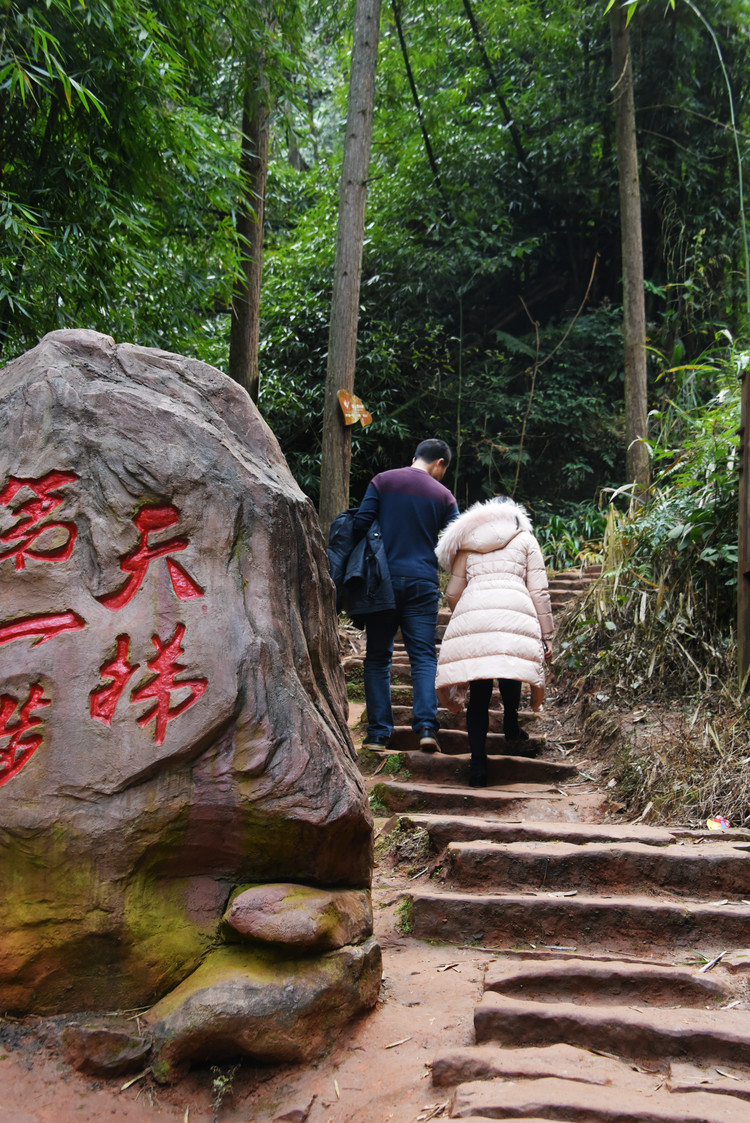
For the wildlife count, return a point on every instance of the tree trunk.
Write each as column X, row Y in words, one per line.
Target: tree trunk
column 342, row 336
column 244, row 331
column 633, row 299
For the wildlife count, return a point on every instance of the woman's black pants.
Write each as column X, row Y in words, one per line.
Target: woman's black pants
column 478, row 714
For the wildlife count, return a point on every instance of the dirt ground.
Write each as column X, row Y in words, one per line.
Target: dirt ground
column 377, row 1070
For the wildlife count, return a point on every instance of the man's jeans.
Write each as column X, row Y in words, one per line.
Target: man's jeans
column 416, row 614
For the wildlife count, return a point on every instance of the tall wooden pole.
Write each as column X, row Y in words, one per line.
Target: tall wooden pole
column 342, row 336
column 743, row 553
column 633, row 290
column 244, row 332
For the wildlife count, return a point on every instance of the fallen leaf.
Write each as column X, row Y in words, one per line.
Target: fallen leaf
column 430, row 1111
column 135, row 1079
column 712, row 962
column 446, row 966
column 336, row 1089
column 393, row 1044
column 645, row 812
column 731, row 1076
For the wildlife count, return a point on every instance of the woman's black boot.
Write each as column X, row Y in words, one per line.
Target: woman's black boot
column 478, row 771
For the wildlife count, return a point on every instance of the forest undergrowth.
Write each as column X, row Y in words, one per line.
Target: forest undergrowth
column 655, row 698
column 647, row 661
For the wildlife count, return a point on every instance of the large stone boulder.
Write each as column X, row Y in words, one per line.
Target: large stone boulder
column 270, row 1008
column 172, row 706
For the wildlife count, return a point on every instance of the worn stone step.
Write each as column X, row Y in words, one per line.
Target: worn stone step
column 587, row 573
column 595, row 982
column 560, row 1061
column 515, row 800
column 581, row 922
column 568, row 586
column 457, row 741
column 500, row 770
column 443, row 829
column 507, row 1119
column 403, row 714
column 563, row 596
column 689, row 1077
column 565, row 1062
column 719, row 871
column 655, row 1034
column 586, row 1103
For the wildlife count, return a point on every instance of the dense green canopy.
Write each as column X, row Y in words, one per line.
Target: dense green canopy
column 491, row 279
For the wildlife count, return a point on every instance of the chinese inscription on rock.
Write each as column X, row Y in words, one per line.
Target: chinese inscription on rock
column 36, row 537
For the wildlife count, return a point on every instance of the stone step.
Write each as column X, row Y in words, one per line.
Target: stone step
column 456, row 741
column 579, row 923
column 514, row 800
column 560, row 1061
column 506, row 1119
column 687, row 1077
column 466, row 828
column 597, row 982
column 655, row 1034
column 455, row 768
column 565, row 1062
column 403, row 714
column 561, row 596
column 587, row 572
column 716, row 871
column 567, row 1100
column 572, row 582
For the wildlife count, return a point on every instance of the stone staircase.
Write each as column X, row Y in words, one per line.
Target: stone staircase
column 616, row 988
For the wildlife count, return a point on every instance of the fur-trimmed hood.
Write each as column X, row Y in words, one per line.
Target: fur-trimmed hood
column 488, row 525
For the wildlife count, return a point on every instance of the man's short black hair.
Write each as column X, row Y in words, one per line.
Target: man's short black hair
column 433, row 449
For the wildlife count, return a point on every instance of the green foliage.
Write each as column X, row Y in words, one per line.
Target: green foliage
column 490, row 287
column 574, row 538
column 405, row 916
column 472, row 278
column 689, row 524
column 377, row 807
column 222, row 1085
column 114, row 170
column 662, row 617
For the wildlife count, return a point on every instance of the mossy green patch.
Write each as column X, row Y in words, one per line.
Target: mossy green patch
column 404, row 916
column 72, row 937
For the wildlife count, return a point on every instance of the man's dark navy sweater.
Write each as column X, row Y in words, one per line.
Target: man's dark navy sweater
column 412, row 508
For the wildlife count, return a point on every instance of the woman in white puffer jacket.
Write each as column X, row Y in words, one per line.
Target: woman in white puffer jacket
column 501, row 624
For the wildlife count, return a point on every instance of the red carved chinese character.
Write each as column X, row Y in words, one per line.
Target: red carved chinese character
column 22, row 744
column 103, row 700
column 165, row 667
column 31, row 515
column 45, row 627
column 136, row 563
